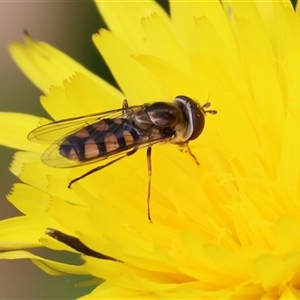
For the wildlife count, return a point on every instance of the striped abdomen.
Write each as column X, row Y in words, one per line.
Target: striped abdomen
column 108, row 136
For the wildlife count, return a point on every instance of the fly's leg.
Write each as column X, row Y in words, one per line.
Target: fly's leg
column 185, row 148
column 125, row 107
column 188, row 150
column 100, row 167
column 149, row 164
column 210, row 111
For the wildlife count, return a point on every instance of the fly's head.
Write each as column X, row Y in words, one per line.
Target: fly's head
column 194, row 116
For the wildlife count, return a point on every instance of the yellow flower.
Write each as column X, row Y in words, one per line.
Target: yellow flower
column 227, row 229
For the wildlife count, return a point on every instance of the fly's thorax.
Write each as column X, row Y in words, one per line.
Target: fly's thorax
column 141, row 119
column 167, row 118
column 165, row 115
column 160, row 116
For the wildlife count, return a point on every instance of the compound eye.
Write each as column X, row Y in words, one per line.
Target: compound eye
column 196, row 120
column 195, row 116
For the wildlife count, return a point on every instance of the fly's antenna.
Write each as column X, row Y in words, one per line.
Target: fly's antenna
column 207, row 105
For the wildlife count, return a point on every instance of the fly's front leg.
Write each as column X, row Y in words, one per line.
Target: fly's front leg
column 185, row 147
column 149, row 164
column 192, row 155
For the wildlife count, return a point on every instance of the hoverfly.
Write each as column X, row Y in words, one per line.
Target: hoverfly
column 120, row 133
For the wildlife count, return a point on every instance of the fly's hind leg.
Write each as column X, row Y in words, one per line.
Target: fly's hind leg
column 149, row 164
column 101, row 167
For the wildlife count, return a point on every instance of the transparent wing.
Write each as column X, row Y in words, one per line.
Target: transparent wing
column 56, row 131
column 53, row 158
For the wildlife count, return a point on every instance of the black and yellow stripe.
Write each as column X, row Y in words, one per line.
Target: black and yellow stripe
column 100, row 139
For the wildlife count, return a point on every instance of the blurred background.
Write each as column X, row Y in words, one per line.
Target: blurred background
column 68, row 26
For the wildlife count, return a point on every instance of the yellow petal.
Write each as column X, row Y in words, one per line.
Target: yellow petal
column 47, row 66
column 289, row 293
column 173, row 78
column 184, row 14
column 273, row 18
column 80, row 96
column 210, row 41
column 17, row 126
column 289, row 164
column 160, row 40
column 124, row 20
column 139, row 280
column 255, row 52
column 20, row 233
column 285, row 228
column 29, row 200
column 271, row 271
column 75, row 220
column 21, row 159
column 48, row 266
column 130, row 75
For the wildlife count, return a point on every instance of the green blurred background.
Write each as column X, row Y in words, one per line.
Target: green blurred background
column 68, row 26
